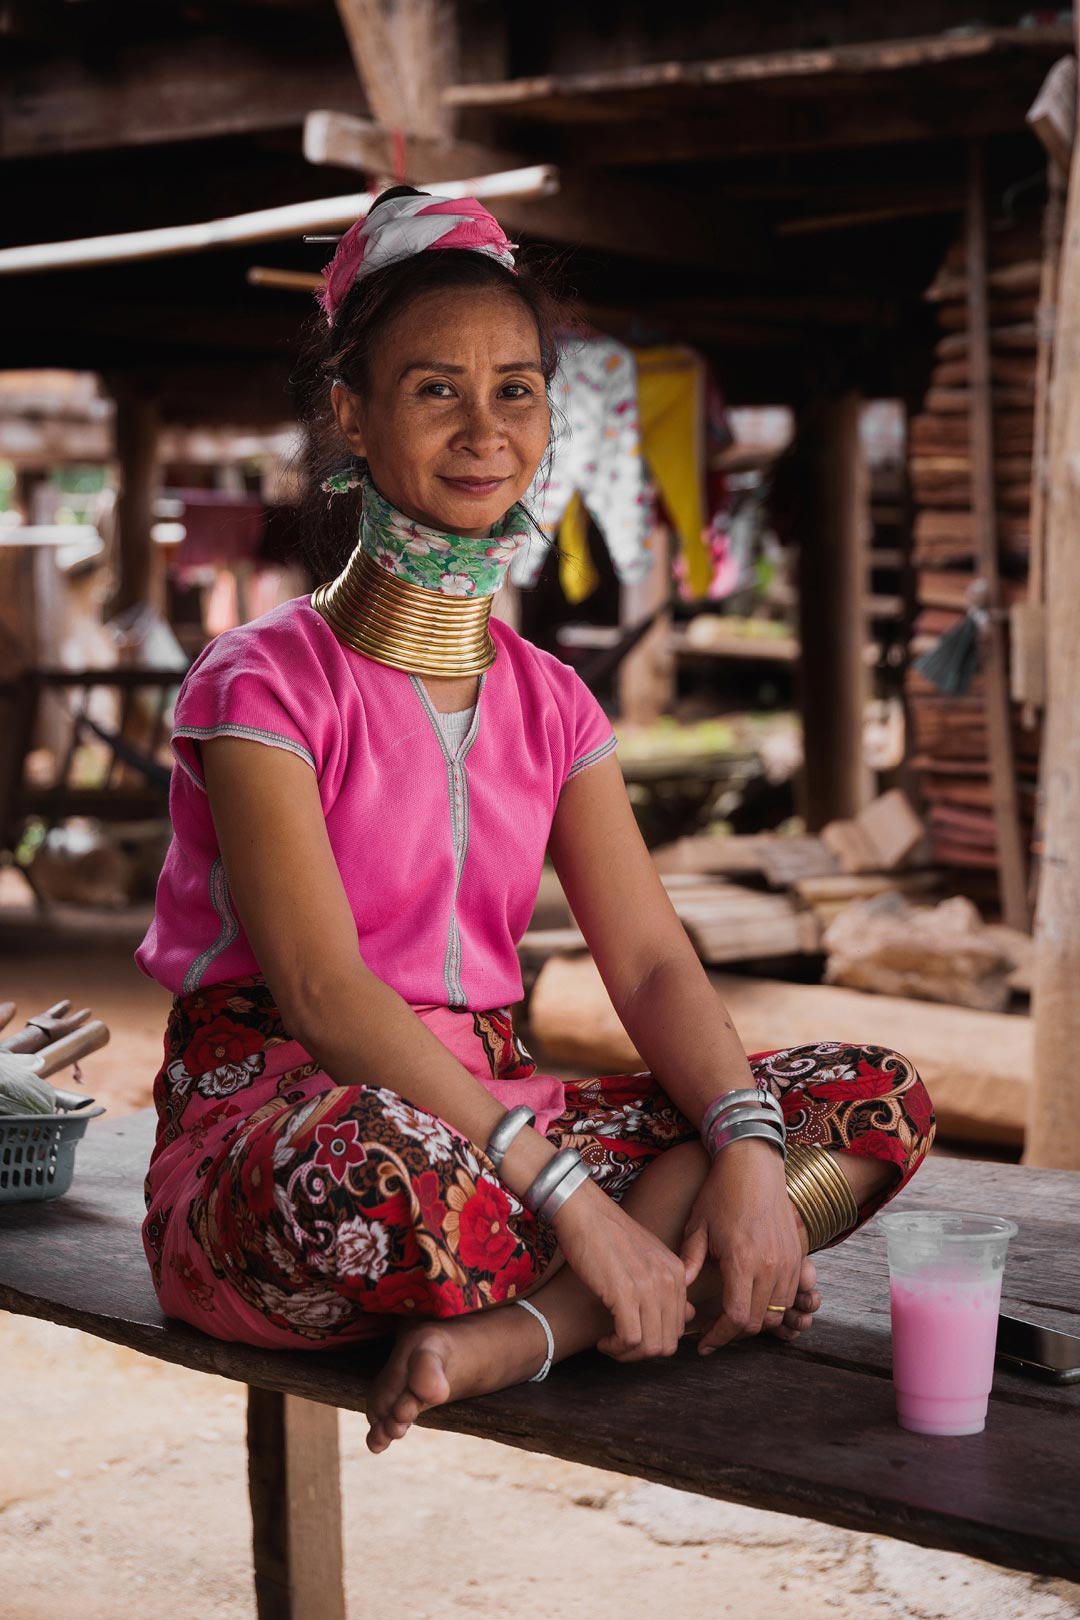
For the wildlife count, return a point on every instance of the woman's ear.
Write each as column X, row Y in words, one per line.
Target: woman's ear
column 349, row 412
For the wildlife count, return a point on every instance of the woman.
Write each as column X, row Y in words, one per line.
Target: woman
column 352, row 1139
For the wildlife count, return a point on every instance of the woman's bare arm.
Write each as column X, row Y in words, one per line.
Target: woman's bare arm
column 289, row 896
column 652, row 973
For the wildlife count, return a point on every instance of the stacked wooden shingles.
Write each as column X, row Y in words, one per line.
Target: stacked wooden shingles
column 949, row 734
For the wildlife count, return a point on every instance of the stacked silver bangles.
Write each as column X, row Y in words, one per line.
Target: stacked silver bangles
column 742, row 1113
column 562, row 1175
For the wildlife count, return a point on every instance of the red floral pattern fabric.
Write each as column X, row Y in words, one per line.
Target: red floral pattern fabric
column 284, row 1210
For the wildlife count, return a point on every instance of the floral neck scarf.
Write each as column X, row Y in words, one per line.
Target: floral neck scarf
column 449, row 564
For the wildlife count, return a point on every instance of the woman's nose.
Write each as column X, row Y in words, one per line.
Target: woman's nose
column 481, row 427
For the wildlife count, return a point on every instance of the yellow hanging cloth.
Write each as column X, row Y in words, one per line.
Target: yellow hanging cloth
column 577, row 573
column 671, row 407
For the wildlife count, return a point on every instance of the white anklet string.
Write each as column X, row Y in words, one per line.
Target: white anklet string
column 543, row 1321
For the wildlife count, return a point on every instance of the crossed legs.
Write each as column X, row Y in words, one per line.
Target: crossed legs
column 437, row 1361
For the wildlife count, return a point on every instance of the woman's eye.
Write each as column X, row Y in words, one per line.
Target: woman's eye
column 430, row 388
column 516, row 390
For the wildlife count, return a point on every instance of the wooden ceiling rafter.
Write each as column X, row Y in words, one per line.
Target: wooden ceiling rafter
column 562, row 95
column 197, row 88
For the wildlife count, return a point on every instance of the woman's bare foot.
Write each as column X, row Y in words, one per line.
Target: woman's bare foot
column 807, row 1301
column 436, row 1362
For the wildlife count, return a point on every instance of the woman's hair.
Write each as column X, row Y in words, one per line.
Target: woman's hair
column 327, row 527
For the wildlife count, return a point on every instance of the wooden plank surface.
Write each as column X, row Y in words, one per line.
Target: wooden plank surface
column 806, row 1429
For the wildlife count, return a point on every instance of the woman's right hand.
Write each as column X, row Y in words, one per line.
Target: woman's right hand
column 639, row 1279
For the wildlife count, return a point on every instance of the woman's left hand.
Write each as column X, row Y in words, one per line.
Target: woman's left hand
column 745, row 1220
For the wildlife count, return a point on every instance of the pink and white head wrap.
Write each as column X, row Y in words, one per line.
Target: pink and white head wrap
column 402, row 226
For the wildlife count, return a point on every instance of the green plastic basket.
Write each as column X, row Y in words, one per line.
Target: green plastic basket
column 37, row 1154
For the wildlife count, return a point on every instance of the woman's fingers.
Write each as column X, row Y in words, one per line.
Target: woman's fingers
column 627, row 1332
column 694, row 1252
column 731, row 1323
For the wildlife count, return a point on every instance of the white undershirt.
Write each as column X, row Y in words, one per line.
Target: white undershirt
column 455, row 726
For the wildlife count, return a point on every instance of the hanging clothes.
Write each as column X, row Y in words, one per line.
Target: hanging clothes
column 597, row 456
column 621, row 417
column 672, row 402
column 577, row 571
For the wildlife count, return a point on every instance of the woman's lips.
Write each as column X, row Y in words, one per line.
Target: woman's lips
column 475, row 486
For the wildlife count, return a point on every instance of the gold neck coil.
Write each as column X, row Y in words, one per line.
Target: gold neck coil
column 403, row 625
column 821, row 1193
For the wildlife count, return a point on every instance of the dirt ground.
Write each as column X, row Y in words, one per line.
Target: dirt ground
column 123, row 1484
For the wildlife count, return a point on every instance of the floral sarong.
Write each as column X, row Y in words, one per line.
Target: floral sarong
column 288, row 1212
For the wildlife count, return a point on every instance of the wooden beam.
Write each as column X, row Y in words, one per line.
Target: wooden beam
column 359, row 143
column 294, row 1475
column 189, row 87
column 1054, row 1120
column 887, row 211
column 1052, row 115
column 1012, row 862
column 832, row 612
column 611, row 212
column 880, row 57
column 405, row 54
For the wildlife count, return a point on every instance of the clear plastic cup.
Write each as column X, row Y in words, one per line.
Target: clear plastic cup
column 945, row 1271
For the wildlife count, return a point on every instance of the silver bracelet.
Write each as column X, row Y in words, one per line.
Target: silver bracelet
column 538, row 1378
column 737, row 1130
column 745, row 1097
column 541, row 1189
column 570, row 1183
column 766, row 1115
column 513, row 1121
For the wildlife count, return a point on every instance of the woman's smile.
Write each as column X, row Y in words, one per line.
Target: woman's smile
column 478, row 487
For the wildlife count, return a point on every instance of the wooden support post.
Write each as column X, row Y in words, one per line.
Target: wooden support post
column 1027, row 637
column 1053, row 1136
column 138, row 424
column 837, row 782
column 1012, row 863
column 646, row 680
column 294, row 1480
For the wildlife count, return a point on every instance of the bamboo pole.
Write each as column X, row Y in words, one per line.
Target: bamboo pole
column 264, row 225
column 1053, row 1137
column 1010, row 849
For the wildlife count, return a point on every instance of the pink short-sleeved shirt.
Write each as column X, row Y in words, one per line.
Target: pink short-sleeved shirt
column 440, row 849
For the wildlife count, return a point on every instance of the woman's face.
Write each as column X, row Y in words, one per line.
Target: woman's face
column 455, row 422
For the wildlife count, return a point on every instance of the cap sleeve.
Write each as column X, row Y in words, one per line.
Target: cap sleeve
column 591, row 738
column 254, row 685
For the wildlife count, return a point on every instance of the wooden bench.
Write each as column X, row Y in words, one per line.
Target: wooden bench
column 807, row 1429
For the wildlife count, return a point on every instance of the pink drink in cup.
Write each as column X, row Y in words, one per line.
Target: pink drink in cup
column 945, row 1271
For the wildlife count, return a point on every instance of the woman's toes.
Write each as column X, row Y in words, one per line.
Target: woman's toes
column 413, row 1379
